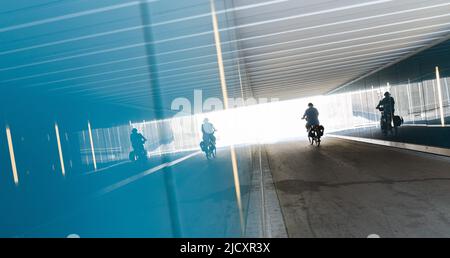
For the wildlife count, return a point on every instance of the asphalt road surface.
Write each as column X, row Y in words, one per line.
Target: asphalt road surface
column 350, row 189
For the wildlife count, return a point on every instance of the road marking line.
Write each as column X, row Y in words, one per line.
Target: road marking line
column 105, row 168
column 134, row 178
column 400, row 145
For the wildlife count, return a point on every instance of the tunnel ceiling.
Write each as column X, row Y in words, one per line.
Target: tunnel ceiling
column 97, row 50
column 301, row 48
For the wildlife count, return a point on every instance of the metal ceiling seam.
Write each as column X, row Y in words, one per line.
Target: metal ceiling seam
column 390, row 64
column 90, row 36
column 377, row 26
column 187, row 49
column 237, row 27
column 170, row 70
column 73, row 15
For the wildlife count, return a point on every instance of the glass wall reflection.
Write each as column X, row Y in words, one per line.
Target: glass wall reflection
column 78, row 77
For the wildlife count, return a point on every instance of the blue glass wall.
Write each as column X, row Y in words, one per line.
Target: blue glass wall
column 75, row 77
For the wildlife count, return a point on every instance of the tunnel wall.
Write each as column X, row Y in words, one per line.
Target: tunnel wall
column 414, row 86
column 31, row 120
column 32, row 112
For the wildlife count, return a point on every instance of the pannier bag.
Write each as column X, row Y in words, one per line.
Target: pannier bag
column 398, row 121
column 203, row 146
column 321, row 130
column 132, row 156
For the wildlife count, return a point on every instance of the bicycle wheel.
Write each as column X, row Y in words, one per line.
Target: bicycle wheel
column 210, row 153
column 207, row 153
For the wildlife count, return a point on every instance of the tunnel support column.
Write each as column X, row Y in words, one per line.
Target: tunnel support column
column 441, row 105
column 223, row 85
column 160, row 115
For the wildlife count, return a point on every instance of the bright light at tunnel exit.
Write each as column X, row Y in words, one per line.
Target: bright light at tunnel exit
column 256, row 124
column 277, row 121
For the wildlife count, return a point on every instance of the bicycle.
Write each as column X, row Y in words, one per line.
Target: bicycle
column 209, row 149
column 314, row 135
column 389, row 122
column 138, row 155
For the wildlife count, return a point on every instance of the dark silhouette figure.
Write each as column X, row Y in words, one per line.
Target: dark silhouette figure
column 387, row 109
column 208, row 130
column 208, row 145
column 312, row 117
column 137, row 142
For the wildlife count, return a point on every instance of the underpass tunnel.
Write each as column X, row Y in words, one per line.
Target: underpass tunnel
column 77, row 76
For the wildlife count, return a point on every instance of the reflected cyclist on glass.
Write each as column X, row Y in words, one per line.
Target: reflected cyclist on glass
column 208, row 145
column 208, row 131
column 137, row 142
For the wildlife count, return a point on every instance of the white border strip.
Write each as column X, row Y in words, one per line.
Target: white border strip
column 400, row 145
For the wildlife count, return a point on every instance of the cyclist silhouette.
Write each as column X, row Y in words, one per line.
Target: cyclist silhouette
column 208, row 132
column 137, row 142
column 312, row 117
column 387, row 108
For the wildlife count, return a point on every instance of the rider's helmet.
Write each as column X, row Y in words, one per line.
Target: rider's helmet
column 134, row 130
column 387, row 94
column 310, row 105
